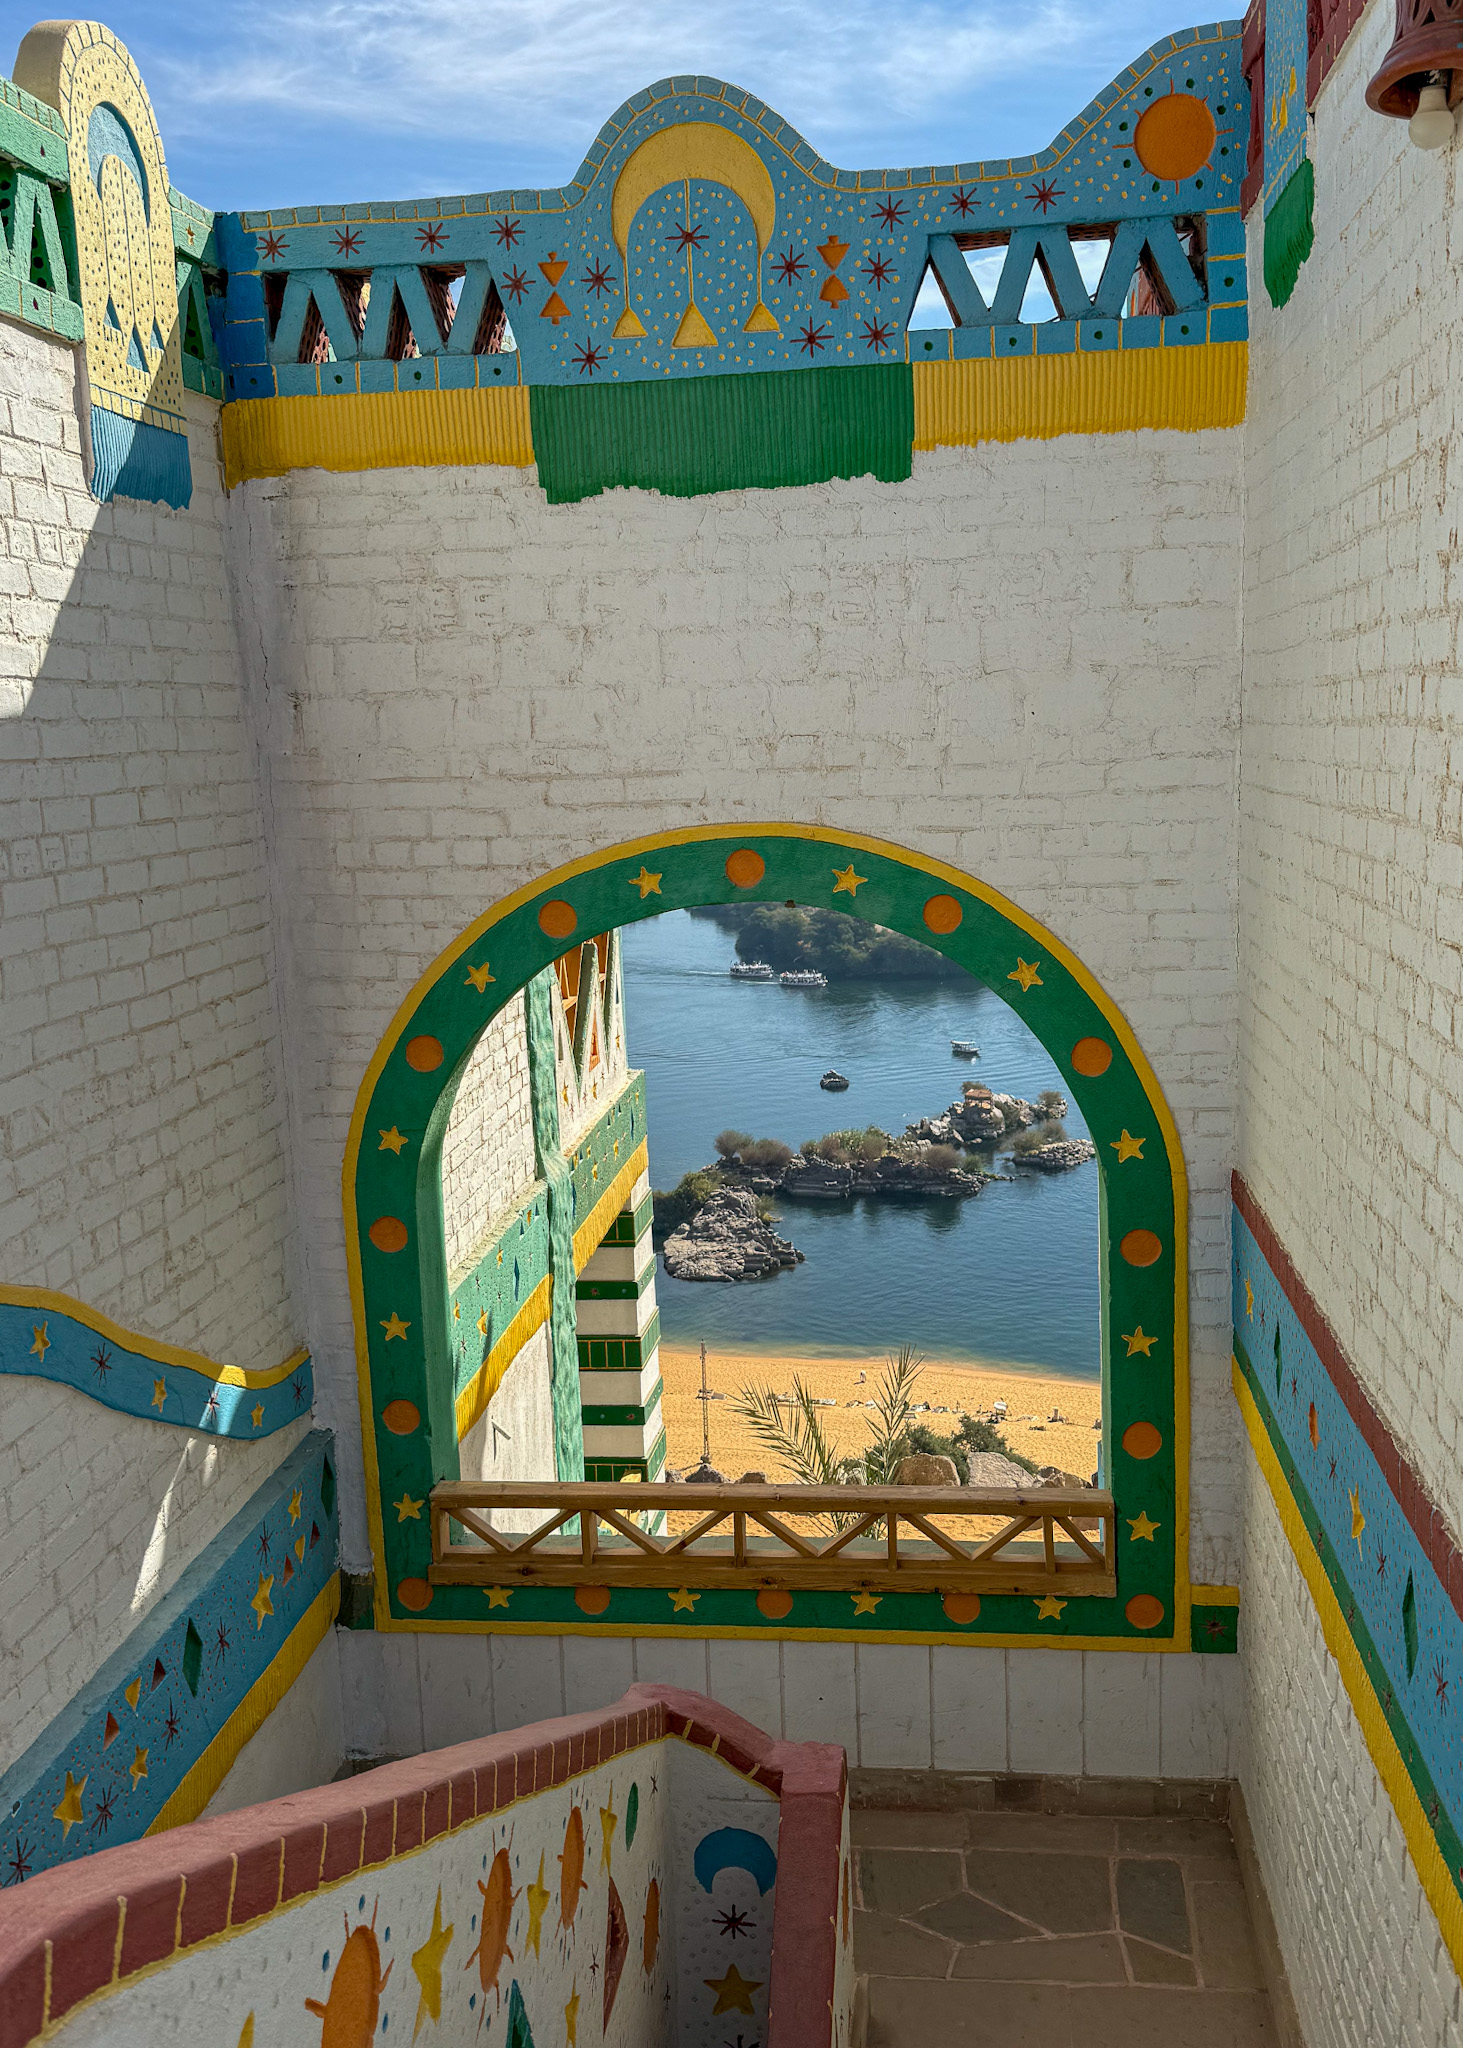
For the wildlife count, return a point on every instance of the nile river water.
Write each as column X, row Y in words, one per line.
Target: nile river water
column 1008, row 1276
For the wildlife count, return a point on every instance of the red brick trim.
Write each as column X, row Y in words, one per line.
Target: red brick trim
column 83, row 1926
column 1328, row 24
column 1252, row 65
column 1426, row 1519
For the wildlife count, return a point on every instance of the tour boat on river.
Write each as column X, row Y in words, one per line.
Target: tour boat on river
column 750, row 970
column 803, row 977
column 964, row 1050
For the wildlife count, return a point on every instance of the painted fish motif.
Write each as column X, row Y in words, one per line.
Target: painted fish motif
column 571, row 1869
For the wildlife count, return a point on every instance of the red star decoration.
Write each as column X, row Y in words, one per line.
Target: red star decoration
column 507, row 232
column 811, row 338
column 431, row 237
column 588, row 359
column 1045, row 195
column 879, row 269
column 963, row 202
column 598, row 278
column 20, row 1862
column 890, row 211
column 272, row 246
column 687, row 235
column 1440, row 1685
column 347, row 241
column 102, row 1819
column 789, row 267
column 171, row 1726
column 878, row 333
column 515, row 284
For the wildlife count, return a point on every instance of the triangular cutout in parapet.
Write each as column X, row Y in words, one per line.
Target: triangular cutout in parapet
column 136, row 360
column 401, row 343
column 693, row 331
column 111, row 318
column 157, row 339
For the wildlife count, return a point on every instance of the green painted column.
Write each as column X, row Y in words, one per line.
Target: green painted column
column 554, row 1172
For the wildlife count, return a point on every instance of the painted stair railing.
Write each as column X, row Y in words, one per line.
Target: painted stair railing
column 657, row 1875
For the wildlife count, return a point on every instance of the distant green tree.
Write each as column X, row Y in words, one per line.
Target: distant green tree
column 729, row 1142
column 844, row 948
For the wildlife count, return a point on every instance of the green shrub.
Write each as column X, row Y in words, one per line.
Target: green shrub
column 1039, row 1137
column 670, row 1209
column 729, row 1143
column 1052, row 1101
column 765, row 1155
column 976, row 1434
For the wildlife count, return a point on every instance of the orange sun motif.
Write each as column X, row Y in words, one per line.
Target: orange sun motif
column 348, row 2016
column 498, row 1900
column 571, row 1869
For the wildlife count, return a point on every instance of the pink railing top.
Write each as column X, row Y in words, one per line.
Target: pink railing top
column 72, row 1932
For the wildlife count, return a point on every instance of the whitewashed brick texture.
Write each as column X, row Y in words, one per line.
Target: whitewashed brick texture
column 1024, row 660
column 143, row 1156
column 1351, row 960
column 488, row 1160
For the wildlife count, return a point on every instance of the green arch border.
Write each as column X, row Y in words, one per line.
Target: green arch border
column 1064, row 1005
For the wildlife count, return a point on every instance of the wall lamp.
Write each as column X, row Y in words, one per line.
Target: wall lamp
column 1421, row 79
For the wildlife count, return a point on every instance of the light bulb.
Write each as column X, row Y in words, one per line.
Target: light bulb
column 1432, row 125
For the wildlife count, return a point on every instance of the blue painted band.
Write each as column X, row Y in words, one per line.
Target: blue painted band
column 133, row 459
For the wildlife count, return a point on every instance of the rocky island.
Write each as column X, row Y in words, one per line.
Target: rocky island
column 728, row 1239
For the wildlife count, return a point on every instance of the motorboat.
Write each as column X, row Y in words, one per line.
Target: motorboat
column 964, row 1050
column 834, row 1081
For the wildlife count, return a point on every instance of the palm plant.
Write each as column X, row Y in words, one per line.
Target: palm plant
column 792, row 1429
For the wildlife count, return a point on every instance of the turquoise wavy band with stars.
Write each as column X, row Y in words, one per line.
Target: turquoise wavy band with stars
column 51, row 1337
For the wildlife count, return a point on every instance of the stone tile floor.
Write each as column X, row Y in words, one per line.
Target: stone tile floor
column 1055, row 1931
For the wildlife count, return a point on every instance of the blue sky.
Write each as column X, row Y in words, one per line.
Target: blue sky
column 304, row 101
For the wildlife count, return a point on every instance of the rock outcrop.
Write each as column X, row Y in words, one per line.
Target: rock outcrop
column 926, row 1468
column 727, row 1240
column 1059, row 1158
column 989, row 1468
column 981, row 1116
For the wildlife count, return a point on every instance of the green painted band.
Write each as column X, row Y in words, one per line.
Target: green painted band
column 628, row 1417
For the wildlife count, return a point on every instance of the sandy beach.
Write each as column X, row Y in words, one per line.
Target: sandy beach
column 955, row 1389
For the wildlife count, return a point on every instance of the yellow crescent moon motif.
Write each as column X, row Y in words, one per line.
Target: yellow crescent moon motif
column 693, row 149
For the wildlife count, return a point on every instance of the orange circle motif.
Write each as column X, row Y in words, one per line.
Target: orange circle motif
column 1144, row 1610
column 424, row 1055
column 1175, row 137
column 1142, row 1440
column 775, row 1603
column 415, row 1594
column 591, row 1599
column 745, row 869
column 961, row 1607
column 401, row 1417
column 388, row 1234
column 1092, row 1056
column 1142, row 1248
column 943, row 914
column 557, row 919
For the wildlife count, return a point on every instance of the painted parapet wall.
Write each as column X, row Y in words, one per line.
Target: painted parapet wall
column 649, row 1874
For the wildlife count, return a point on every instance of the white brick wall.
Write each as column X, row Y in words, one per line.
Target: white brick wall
column 143, row 1158
column 1351, row 1111
column 488, row 1153
column 1024, row 660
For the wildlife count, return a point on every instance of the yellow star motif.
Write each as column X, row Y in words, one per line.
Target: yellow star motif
column 733, row 1991
column 571, row 2016
column 483, row 1319
column 407, row 1509
column 647, row 883
column 865, row 1603
column 396, row 1327
column 256, row 1413
column 159, row 1393
column 261, row 1603
column 498, row 1596
column 457, row 1311
column 42, row 1343
column 1025, row 972
column 392, row 1141
column 137, row 1769
column 845, row 878
column 684, row 1601
column 133, row 1693
column 1127, row 1146
column 1136, row 1342
column 538, row 1899
column 69, row 1811
column 1049, row 1607
column 296, row 1502
column 1143, row 1530
column 608, row 1822
column 1358, row 1519
column 426, row 1967
column 479, row 977
column 300, row 1548
column 1249, row 1299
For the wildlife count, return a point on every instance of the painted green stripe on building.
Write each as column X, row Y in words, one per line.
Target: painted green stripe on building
column 619, row 1354
column 695, row 435
column 609, row 1471
column 614, row 1290
column 629, row 1417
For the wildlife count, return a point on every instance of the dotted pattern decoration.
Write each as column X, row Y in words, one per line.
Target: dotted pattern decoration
column 119, row 1759
column 703, row 236
column 1401, row 1617
column 408, row 1416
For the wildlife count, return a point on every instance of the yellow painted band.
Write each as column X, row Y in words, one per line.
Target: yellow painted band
column 1215, row 1596
column 150, row 1347
column 1033, row 398
column 375, row 430
column 902, row 856
column 1422, row 1843
column 589, row 1235
column 258, row 1703
column 968, row 1639
column 485, row 1382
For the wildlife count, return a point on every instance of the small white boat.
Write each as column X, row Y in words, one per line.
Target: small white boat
column 803, row 977
column 964, row 1050
column 750, row 970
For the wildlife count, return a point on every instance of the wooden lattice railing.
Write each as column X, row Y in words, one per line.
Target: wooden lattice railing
column 852, row 1537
